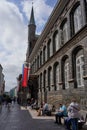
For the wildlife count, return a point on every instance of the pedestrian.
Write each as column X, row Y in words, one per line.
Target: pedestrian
column 67, row 121
column 45, row 108
column 74, row 115
column 62, row 112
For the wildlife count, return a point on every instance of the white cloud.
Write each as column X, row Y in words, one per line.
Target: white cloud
column 13, row 42
column 13, row 34
column 41, row 11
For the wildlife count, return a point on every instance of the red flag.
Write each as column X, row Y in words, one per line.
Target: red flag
column 25, row 76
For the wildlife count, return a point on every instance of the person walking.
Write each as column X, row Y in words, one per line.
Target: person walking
column 74, row 115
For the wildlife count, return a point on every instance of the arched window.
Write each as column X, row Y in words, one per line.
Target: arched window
column 77, row 19
column 49, row 78
column 49, row 48
column 55, row 41
column 41, row 82
column 44, row 80
column 41, row 58
column 78, row 66
column 85, row 2
column 44, row 54
column 38, row 83
column 65, row 32
column 65, row 72
column 66, row 68
column 56, row 76
column 80, row 70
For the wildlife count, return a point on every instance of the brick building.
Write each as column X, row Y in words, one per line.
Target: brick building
column 59, row 55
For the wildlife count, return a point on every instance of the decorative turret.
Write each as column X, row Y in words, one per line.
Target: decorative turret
column 32, row 37
column 32, row 20
column 31, row 32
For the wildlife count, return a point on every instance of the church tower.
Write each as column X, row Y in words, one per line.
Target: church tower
column 31, row 34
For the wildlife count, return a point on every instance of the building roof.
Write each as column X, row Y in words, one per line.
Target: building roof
column 32, row 20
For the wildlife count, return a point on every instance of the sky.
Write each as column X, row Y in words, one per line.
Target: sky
column 14, row 19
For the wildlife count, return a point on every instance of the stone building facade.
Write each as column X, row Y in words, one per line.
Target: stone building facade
column 59, row 56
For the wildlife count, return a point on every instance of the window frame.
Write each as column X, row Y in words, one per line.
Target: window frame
column 66, row 75
column 77, row 19
column 81, row 73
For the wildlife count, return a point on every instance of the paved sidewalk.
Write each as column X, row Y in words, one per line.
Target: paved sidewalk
column 33, row 113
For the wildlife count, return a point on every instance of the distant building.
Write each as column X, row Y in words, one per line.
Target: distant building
column 13, row 92
column 2, row 81
column 59, row 56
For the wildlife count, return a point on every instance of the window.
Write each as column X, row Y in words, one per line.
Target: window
column 86, row 1
column 66, row 75
column 44, row 79
column 80, row 70
column 57, row 77
column 39, row 83
column 56, row 41
column 49, row 48
column 77, row 19
column 44, row 54
column 49, row 78
column 65, row 33
column 41, row 58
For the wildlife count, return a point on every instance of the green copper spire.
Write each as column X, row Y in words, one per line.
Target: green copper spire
column 32, row 20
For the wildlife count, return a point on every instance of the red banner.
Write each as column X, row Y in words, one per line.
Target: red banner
column 25, row 76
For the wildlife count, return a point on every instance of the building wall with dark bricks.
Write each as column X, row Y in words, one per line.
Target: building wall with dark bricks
column 59, row 57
